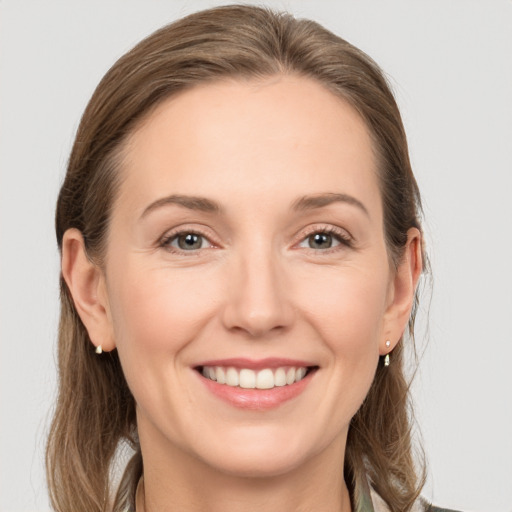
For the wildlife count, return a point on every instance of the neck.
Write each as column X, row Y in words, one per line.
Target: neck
column 174, row 480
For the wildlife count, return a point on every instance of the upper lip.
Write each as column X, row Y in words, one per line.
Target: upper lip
column 256, row 364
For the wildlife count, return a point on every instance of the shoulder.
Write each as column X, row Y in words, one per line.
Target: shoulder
column 425, row 506
column 428, row 507
column 421, row 505
column 431, row 508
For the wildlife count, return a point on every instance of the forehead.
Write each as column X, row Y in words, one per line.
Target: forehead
column 231, row 138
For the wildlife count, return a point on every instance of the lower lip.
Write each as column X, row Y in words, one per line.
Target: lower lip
column 257, row 399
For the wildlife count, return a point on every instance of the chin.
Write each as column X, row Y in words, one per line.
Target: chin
column 258, row 455
column 252, row 465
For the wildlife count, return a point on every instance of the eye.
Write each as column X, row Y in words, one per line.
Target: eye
column 186, row 241
column 324, row 239
column 319, row 241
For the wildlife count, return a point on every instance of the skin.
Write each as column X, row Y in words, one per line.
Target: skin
column 255, row 289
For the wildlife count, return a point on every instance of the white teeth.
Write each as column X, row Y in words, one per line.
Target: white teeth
column 280, row 377
column 220, row 374
column 300, row 374
column 232, row 377
column 250, row 379
column 247, row 379
column 265, row 379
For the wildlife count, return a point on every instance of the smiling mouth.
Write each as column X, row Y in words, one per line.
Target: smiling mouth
column 246, row 378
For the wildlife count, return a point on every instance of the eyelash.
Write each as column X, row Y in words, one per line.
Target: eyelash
column 166, row 240
column 339, row 235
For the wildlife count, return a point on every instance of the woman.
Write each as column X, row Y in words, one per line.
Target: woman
column 241, row 245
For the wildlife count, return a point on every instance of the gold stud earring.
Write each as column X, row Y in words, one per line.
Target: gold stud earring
column 99, row 349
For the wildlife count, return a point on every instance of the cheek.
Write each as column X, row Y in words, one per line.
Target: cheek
column 157, row 310
column 156, row 313
column 348, row 313
column 348, row 307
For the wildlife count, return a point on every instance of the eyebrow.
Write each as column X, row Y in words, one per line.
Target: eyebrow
column 321, row 200
column 191, row 202
column 207, row 205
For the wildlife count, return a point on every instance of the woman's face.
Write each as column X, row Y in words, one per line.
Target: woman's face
column 247, row 244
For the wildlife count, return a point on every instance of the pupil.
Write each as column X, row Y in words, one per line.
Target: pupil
column 320, row 241
column 190, row 241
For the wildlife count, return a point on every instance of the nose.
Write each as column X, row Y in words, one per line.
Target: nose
column 258, row 295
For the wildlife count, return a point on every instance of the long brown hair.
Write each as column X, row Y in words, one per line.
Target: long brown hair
column 95, row 411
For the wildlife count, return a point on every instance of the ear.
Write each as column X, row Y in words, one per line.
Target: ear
column 86, row 283
column 402, row 291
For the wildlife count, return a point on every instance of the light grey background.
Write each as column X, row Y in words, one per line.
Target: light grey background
column 451, row 66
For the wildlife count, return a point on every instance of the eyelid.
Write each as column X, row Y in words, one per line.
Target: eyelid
column 170, row 235
column 341, row 234
column 344, row 237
